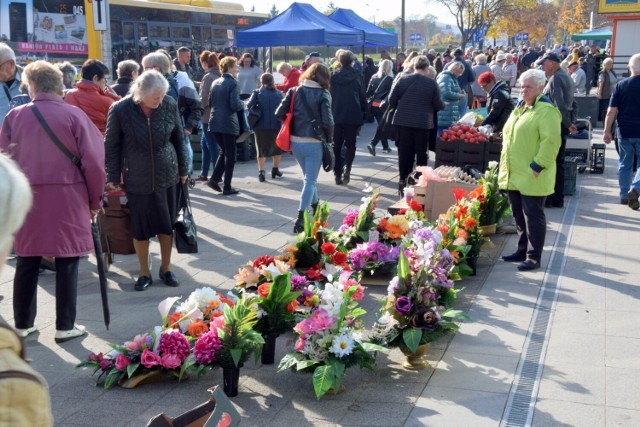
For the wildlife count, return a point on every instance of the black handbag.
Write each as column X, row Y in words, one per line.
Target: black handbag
column 255, row 112
column 186, row 233
column 328, row 157
column 386, row 126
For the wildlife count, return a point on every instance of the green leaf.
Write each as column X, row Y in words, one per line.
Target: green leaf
column 371, row 347
column 403, row 266
column 304, row 364
column 323, row 379
column 357, row 312
column 186, row 365
column 411, row 338
column 456, row 314
column 112, row 377
column 131, row 369
column 236, row 355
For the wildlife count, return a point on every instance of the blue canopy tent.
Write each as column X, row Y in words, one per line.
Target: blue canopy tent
column 373, row 35
column 300, row 25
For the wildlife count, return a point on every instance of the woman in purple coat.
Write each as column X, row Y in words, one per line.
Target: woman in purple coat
column 65, row 197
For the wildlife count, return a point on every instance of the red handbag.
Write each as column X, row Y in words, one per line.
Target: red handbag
column 283, row 140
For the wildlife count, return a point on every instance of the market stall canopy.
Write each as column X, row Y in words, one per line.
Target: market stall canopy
column 603, row 33
column 300, row 25
column 373, row 35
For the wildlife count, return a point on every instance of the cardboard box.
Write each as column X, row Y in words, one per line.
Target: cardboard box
column 439, row 197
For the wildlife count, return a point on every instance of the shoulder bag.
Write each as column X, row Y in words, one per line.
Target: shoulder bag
column 186, row 234
column 75, row 160
column 283, row 140
column 328, row 156
column 255, row 112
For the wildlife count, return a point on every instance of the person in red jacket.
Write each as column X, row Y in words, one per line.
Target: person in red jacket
column 291, row 77
column 92, row 94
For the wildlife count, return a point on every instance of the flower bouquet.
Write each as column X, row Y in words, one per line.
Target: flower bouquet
column 357, row 223
column 459, row 227
column 229, row 343
column 393, row 228
column 330, row 339
column 420, row 298
column 305, row 252
column 494, row 205
column 263, row 269
column 374, row 256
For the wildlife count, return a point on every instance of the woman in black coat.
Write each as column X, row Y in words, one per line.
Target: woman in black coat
column 415, row 98
column 144, row 144
column 378, row 91
column 500, row 105
column 225, row 103
column 348, row 106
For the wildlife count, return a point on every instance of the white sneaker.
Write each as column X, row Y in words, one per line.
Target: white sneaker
column 26, row 332
column 77, row 331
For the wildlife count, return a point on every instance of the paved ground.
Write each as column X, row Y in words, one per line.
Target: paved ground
column 562, row 340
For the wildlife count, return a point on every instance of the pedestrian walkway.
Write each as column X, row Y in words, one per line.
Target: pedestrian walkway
column 560, row 341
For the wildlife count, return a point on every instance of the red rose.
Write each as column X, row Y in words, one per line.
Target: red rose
column 328, row 248
column 263, row 290
column 414, row 205
column 339, row 258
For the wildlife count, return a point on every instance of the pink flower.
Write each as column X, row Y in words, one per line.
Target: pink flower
column 170, row 361
column 174, row 342
column 304, row 327
column 95, row 357
column 207, row 347
column 105, row 364
column 216, row 322
column 321, row 320
column 122, row 362
column 300, row 345
column 149, row 359
column 358, row 295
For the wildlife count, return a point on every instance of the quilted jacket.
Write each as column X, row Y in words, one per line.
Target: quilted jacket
column 449, row 93
column 148, row 152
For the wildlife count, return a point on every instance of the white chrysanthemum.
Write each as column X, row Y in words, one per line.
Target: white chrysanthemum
column 332, row 293
column 187, row 306
column 202, row 297
column 342, row 345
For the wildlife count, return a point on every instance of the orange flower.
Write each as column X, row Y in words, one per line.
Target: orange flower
column 173, row 319
column 473, row 194
column 225, row 300
column 197, row 328
column 459, row 193
column 456, row 256
column 213, row 306
column 470, row 223
column 463, row 233
column 291, row 307
column 263, row 290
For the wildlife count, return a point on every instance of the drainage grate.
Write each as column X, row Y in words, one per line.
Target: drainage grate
column 524, row 391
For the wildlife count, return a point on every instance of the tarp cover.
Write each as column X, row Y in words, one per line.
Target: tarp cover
column 373, row 35
column 597, row 34
column 300, row 25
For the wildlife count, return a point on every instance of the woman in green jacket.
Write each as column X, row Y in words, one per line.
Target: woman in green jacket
column 531, row 140
column 450, row 94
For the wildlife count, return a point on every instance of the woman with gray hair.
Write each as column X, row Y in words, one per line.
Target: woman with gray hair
column 127, row 72
column 145, row 146
column 66, row 194
column 480, row 67
column 377, row 93
column 450, row 94
column 531, row 140
column 69, row 73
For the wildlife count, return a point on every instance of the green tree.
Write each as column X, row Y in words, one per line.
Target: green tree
column 274, row 12
column 330, row 9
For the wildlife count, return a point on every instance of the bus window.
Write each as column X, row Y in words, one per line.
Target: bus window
column 160, row 31
column 180, row 32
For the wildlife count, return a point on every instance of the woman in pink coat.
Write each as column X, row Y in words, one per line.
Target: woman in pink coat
column 64, row 198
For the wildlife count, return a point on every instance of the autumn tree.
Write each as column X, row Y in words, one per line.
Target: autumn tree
column 537, row 18
column 573, row 17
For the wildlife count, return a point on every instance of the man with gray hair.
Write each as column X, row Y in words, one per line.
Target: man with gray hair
column 625, row 104
column 10, row 78
column 69, row 73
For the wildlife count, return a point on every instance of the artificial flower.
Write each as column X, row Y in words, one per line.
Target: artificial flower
column 197, row 328
column 207, row 347
column 149, row 359
column 342, row 345
column 403, row 305
column 263, row 290
column 328, row 248
column 170, row 361
column 122, row 362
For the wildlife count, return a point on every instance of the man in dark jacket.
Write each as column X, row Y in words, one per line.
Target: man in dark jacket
column 415, row 97
column 465, row 80
column 560, row 90
column 529, row 58
column 500, row 104
column 348, row 107
column 127, row 73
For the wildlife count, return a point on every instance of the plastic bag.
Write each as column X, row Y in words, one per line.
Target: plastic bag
column 428, row 174
column 468, row 119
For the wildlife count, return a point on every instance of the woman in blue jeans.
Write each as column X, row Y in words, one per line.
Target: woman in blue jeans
column 312, row 123
column 210, row 63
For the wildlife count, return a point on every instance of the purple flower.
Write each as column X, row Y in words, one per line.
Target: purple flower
column 445, row 260
column 299, row 283
column 404, row 305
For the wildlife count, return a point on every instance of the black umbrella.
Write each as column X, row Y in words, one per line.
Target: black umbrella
column 102, row 272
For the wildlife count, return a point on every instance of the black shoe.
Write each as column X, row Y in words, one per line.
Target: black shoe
column 261, row 177
column 214, row 186
column 386, row 149
column 633, row 202
column 401, row 186
column 230, row 192
column 372, row 149
column 338, row 180
column 515, row 257
column 143, row 283
column 275, row 172
column 169, row 278
column 528, row 265
column 346, row 178
column 551, row 203
column 298, row 227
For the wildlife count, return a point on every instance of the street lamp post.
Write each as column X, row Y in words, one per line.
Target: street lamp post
column 402, row 29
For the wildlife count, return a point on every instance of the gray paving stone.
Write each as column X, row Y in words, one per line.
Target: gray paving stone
column 567, row 414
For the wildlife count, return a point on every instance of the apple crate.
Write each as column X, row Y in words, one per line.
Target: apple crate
column 447, row 152
column 471, row 154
